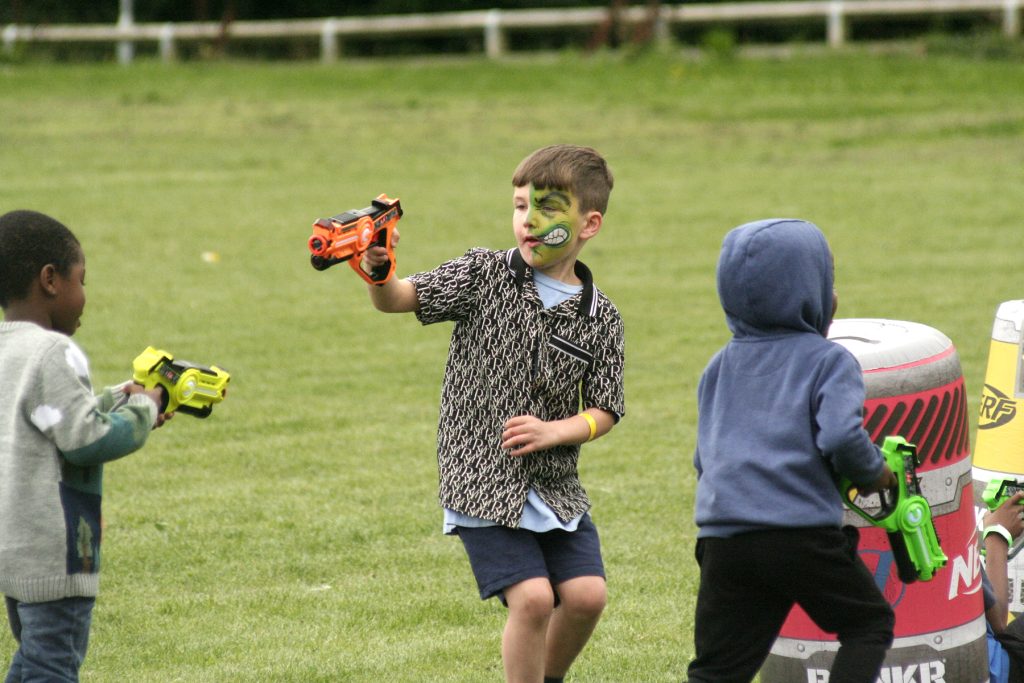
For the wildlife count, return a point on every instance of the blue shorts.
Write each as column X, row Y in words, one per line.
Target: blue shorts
column 502, row 557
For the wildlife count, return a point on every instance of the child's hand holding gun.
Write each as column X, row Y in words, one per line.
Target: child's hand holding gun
column 1004, row 524
column 157, row 394
column 377, row 256
column 886, row 480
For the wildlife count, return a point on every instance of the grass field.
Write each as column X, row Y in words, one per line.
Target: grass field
column 295, row 535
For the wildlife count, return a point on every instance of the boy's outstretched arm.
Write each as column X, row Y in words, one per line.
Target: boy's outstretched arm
column 394, row 296
column 525, row 434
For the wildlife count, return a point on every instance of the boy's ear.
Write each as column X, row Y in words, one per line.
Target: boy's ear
column 592, row 226
column 48, row 279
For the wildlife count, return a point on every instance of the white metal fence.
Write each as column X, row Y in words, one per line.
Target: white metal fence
column 494, row 24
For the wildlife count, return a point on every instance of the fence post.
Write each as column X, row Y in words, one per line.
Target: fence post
column 494, row 36
column 661, row 34
column 329, row 41
column 168, row 50
column 125, row 48
column 9, row 35
column 836, row 24
column 1011, row 18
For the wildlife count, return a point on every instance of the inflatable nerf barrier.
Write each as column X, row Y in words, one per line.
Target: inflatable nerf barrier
column 999, row 443
column 915, row 389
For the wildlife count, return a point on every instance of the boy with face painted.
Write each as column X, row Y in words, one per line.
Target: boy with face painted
column 534, row 370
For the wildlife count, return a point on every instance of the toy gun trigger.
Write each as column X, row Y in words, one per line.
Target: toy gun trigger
column 887, row 499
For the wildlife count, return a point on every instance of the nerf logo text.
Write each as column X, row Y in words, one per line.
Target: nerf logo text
column 925, row 672
column 997, row 408
column 965, row 577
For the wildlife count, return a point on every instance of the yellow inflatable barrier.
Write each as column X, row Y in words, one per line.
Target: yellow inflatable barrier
column 999, row 447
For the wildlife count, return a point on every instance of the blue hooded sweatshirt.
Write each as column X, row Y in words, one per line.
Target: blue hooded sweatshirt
column 780, row 406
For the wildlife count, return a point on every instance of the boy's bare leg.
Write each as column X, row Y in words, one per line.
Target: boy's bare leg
column 581, row 602
column 530, row 604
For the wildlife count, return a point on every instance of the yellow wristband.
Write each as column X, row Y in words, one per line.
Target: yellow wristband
column 592, row 423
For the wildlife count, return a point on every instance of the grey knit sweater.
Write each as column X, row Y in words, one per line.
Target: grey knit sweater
column 55, row 435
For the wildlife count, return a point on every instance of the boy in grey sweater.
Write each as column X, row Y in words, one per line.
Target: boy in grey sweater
column 55, row 435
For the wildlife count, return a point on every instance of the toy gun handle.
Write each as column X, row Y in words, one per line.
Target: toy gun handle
column 905, row 567
column 378, row 275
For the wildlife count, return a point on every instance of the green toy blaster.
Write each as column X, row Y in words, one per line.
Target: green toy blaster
column 997, row 492
column 904, row 514
column 188, row 388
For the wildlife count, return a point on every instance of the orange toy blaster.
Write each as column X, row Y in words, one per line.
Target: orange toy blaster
column 347, row 236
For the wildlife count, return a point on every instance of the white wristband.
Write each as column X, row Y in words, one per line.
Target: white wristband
column 998, row 529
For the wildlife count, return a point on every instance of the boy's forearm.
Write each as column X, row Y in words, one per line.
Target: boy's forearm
column 394, row 296
column 102, row 437
column 581, row 429
column 996, row 551
column 526, row 434
column 586, row 426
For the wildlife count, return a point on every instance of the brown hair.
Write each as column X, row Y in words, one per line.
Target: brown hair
column 580, row 170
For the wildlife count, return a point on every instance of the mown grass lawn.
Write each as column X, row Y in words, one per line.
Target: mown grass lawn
column 295, row 535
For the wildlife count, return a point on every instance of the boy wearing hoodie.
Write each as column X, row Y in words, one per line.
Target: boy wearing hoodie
column 780, row 417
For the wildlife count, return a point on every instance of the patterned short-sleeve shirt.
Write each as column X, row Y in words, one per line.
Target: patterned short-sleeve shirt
column 510, row 356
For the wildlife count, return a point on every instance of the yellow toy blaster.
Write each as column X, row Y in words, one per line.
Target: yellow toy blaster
column 904, row 514
column 347, row 236
column 995, row 494
column 188, row 388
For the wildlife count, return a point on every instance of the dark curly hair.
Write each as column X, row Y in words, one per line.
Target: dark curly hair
column 29, row 241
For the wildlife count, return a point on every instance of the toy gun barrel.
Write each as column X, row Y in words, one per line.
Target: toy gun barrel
column 904, row 514
column 347, row 236
column 997, row 492
column 344, row 247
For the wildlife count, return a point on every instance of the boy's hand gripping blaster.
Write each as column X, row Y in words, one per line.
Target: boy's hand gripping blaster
column 997, row 492
column 188, row 388
column 903, row 513
column 347, row 236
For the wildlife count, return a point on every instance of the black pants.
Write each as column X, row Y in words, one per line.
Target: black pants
column 748, row 583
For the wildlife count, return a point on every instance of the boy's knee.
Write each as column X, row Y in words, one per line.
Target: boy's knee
column 586, row 597
column 532, row 599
